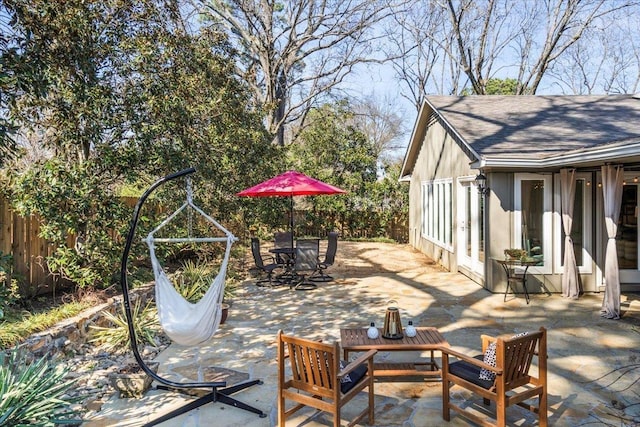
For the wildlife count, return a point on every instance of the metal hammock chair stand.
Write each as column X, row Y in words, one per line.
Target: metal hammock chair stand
column 219, row 390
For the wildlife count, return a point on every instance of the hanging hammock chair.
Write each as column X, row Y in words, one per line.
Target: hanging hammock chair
column 184, row 322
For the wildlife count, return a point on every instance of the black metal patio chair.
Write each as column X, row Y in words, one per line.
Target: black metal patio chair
column 305, row 264
column 268, row 269
column 329, row 259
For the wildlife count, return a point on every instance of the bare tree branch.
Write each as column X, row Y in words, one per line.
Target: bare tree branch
column 297, row 49
column 381, row 123
column 485, row 39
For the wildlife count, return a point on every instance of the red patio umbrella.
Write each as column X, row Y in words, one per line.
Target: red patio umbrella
column 291, row 183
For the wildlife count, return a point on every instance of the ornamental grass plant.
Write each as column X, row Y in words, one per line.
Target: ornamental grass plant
column 115, row 338
column 34, row 392
column 17, row 326
column 193, row 280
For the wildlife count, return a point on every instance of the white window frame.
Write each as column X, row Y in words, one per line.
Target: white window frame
column 437, row 214
column 547, row 218
column 587, row 226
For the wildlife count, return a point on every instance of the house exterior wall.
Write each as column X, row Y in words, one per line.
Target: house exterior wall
column 434, row 154
column 440, row 157
column 498, row 227
column 501, row 235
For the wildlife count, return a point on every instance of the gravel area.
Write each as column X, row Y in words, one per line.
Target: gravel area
column 92, row 367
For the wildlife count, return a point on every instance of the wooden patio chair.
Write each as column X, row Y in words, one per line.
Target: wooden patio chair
column 513, row 383
column 320, row 380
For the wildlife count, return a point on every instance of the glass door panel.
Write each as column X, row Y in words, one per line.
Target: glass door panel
column 627, row 237
column 470, row 235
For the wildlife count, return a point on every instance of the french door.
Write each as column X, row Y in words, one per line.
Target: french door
column 627, row 238
column 470, row 230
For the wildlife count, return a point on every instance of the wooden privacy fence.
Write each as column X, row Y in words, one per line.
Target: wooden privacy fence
column 357, row 225
column 19, row 238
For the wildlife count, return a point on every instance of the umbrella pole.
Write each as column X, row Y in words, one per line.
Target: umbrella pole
column 291, row 220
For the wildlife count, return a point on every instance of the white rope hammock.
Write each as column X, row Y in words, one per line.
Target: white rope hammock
column 184, row 322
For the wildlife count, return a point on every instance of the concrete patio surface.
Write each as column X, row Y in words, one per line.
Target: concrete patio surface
column 594, row 363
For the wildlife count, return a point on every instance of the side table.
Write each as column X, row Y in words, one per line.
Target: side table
column 514, row 277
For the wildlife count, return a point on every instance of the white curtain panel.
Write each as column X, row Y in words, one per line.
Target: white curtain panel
column 570, row 286
column 612, row 182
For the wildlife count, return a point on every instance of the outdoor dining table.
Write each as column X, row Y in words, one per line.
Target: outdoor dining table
column 286, row 257
column 286, row 254
column 290, row 252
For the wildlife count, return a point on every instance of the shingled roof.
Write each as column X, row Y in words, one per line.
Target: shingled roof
column 497, row 131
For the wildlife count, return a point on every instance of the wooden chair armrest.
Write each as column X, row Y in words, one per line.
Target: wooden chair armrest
column 486, row 340
column 470, row 360
column 359, row 361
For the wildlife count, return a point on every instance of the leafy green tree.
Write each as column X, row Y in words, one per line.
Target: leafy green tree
column 496, row 86
column 334, row 149
column 123, row 95
column 189, row 109
column 70, row 130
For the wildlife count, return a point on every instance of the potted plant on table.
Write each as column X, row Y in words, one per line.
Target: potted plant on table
column 515, row 254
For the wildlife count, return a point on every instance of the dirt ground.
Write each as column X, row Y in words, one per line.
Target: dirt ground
column 364, row 258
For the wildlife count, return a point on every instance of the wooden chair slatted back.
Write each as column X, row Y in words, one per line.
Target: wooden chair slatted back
column 517, row 358
column 313, row 365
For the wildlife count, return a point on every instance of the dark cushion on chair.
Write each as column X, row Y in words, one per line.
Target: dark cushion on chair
column 470, row 372
column 349, row 381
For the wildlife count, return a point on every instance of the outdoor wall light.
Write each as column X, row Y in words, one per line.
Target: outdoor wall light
column 481, row 182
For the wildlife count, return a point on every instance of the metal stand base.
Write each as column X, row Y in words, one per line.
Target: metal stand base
column 321, row 278
column 222, row 396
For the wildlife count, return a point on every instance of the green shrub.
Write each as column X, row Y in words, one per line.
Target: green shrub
column 9, row 292
column 193, row 280
column 33, row 392
column 116, row 338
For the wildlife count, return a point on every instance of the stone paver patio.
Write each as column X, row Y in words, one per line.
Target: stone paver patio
column 594, row 363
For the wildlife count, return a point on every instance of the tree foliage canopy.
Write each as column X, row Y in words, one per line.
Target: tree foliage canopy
column 105, row 93
column 335, row 149
column 497, row 86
